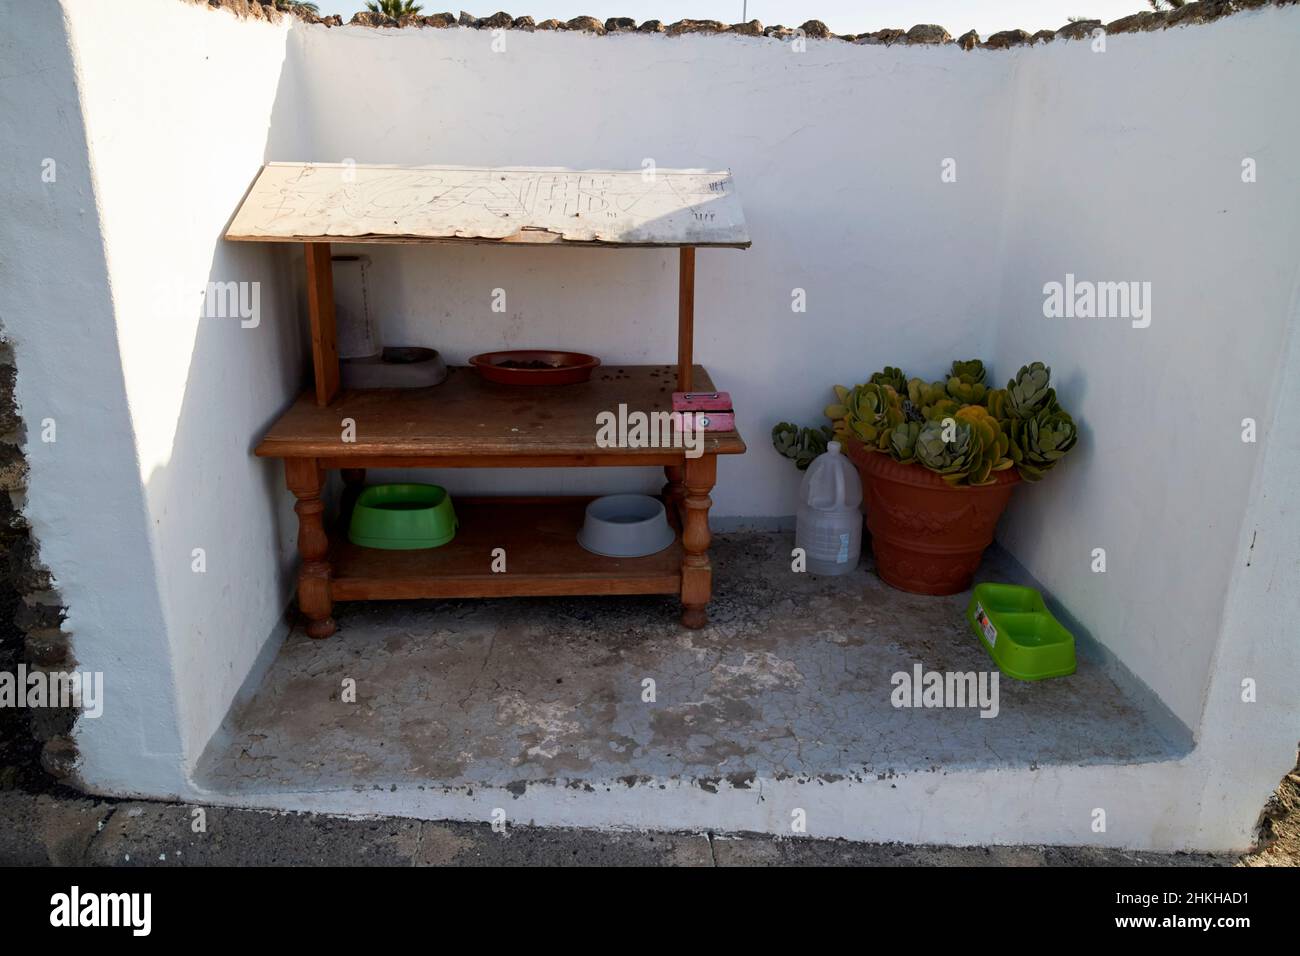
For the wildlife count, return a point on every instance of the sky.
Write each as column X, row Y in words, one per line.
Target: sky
column 842, row 16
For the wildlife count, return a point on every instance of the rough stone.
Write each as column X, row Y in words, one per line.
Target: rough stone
column 968, row 40
column 59, row 757
column 816, row 30
column 1158, row 21
column 778, row 31
column 440, row 21
column 47, row 646
column 751, row 29
column 586, row 25
column 1078, row 30
column 524, row 23
column 51, row 723
column 928, row 33
column 368, row 19
column 35, row 616
column 696, row 26
column 1006, row 38
column 498, row 21
column 467, row 19
column 551, row 24
column 1043, row 36
column 1187, row 13
column 13, row 469
column 1130, row 24
column 10, row 421
column 620, row 25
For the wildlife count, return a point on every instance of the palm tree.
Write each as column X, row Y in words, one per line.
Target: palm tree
column 393, row 8
column 297, row 6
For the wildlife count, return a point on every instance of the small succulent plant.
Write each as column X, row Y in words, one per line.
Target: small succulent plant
column 957, row 427
column 893, row 377
column 949, row 449
column 866, row 412
column 1030, row 391
column 1038, row 443
column 965, row 382
column 801, row 445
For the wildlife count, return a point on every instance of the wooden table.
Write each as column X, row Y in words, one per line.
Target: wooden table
column 467, row 422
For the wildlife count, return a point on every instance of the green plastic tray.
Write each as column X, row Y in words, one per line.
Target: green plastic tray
column 1019, row 632
column 402, row 517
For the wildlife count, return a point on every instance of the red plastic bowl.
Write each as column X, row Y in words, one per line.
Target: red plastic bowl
column 567, row 367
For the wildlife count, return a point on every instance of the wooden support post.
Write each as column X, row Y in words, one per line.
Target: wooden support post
column 320, row 307
column 697, row 572
column 686, row 320
column 673, row 494
column 305, row 479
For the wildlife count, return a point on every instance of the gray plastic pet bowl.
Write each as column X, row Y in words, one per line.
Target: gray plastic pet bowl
column 626, row 526
column 395, row 367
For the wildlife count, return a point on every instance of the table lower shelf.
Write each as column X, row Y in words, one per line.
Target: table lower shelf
column 542, row 557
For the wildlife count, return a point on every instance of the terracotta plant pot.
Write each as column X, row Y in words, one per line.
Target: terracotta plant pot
column 927, row 536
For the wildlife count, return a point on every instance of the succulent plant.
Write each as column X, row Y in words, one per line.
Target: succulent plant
column 950, row 460
column 1030, row 391
column 902, row 441
column 994, row 444
column 801, row 445
column 867, row 412
column 966, row 393
column 893, row 377
column 971, row 371
column 927, row 397
column 958, row 428
column 1038, row 443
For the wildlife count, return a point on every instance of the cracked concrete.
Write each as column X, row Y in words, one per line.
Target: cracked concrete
column 790, row 680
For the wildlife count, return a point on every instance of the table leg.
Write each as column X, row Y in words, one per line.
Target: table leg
column 674, row 493
column 305, row 479
column 697, row 573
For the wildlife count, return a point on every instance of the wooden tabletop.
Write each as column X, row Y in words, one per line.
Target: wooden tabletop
column 469, row 421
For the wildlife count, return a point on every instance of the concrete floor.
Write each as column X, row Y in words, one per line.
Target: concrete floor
column 790, row 680
column 42, row 830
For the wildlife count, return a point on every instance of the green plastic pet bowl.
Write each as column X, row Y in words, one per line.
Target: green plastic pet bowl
column 402, row 517
column 1019, row 632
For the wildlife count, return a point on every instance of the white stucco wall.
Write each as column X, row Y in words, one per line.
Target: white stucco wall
column 180, row 109
column 1114, row 166
column 86, row 507
column 1127, row 165
column 836, row 153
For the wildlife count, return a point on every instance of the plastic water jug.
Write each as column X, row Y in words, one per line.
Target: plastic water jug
column 829, row 522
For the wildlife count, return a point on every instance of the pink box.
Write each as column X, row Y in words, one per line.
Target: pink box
column 701, row 401
column 712, row 410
